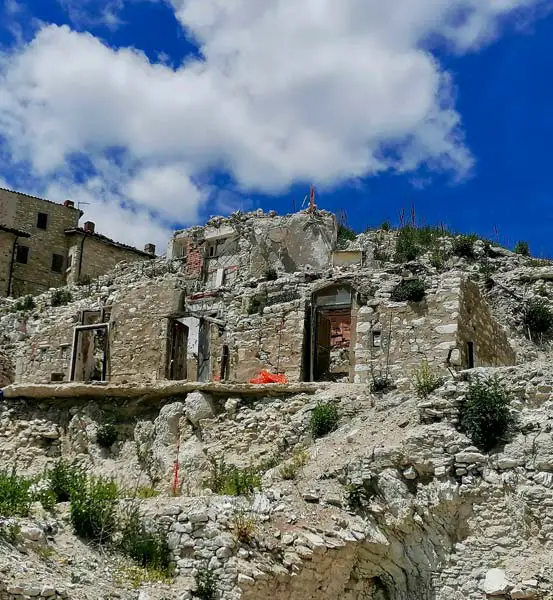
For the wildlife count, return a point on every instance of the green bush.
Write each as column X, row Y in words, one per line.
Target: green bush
column 93, row 510
column 60, row 297
column 425, row 380
column 538, row 318
column 522, row 248
column 385, row 226
column 411, row 290
column 407, row 247
column 484, row 414
column 106, row 435
column 324, row 419
column 15, row 499
column 65, row 477
column 40, row 491
column 345, row 235
column 230, row 480
column 24, row 303
column 206, row 584
column 463, row 246
column 290, row 469
column 147, row 547
column 9, row 531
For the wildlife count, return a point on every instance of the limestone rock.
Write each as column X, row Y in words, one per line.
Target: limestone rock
column 198, row 406
column 496, row 583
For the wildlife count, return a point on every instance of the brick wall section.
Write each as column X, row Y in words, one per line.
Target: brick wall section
column 477, row 325
column 6, row 250
column 21, row 212
column 194, row 259
column 99, row 257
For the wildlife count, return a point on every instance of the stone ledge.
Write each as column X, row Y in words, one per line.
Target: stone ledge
column 156, row 391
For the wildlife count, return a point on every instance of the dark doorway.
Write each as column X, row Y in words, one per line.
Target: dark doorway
column 204, row 367
column 330, row 334
column 178, row 342
column 90, row 353
column 470, row 355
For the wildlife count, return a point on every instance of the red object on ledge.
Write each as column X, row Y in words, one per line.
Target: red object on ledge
column 266, row 377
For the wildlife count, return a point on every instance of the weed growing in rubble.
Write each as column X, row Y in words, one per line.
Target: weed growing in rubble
column 290, row 469
column 410, row 290
column 24, row 303
column 9, row 531
column 61, row 297
column 230, row 480
column 15, row 499
column 538, row 319
column 324, row 419
column 147, row 546
column 425, row 380
column 206, row 584
column 484, row 414
column 65, row 477
column 93, row 510
column 244, row 527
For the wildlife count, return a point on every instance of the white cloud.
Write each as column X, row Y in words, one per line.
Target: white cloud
column 286, row 91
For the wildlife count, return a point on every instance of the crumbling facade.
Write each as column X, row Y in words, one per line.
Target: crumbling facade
column 42, row 246
column 222, row 309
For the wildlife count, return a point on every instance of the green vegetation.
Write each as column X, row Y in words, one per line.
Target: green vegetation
column 93, row 510
column 106, row 435
column 230, row 480
column 538, row 319
column 65, row 477
column 61, row 297
column 412, row 241
column 271, row 274
column 522, row 248
column 146, row 546
column 244, row 527
column 15, row 500
column 290, row 469
column 380, row 384
column 324, row 419
column 463, row 246
column 425, row 380
column 345, row 234
column 411, row 290
column 206, row 584
column 484, row 414
column 23, row 303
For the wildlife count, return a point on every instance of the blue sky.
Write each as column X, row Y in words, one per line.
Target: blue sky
column 155, row 114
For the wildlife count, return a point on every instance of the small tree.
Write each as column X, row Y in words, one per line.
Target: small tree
column 484, row 414
column 522, row 248
column 464, row 246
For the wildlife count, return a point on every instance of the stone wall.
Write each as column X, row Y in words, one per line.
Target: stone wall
column 6, row 251
column 6, row 369
column 403, row 334
column 477, row 325
column 37, row 275
column 98, row 257
column 138, row 333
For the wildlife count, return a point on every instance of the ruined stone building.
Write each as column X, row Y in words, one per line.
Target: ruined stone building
column 261, row 291
column 43, row 246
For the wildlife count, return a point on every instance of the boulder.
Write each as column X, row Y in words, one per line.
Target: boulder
column 198, row 406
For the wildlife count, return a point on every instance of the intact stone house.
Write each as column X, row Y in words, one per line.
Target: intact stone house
column 227, row 313
column 42, row 246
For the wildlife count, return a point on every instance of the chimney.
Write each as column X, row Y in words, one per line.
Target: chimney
column 69, row 204
column 150, row 249
column 89, row 227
